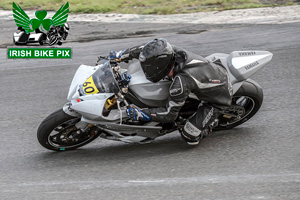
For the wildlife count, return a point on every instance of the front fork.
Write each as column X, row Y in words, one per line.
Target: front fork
column 81, row 126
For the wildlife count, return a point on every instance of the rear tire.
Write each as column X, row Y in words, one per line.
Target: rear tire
column 251, row 95
column 58, row 132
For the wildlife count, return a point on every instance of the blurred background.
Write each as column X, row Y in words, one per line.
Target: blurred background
column 145, row 6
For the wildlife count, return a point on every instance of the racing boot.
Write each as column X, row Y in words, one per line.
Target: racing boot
column 200, row 124
column 191, row 134
column 190, row 140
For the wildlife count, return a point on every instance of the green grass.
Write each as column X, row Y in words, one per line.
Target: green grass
column 137, row 6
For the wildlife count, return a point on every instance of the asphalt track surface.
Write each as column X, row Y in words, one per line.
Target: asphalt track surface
column 257, row 160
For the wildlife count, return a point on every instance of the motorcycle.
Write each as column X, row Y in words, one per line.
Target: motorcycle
column 57, row 34
column 99, row 96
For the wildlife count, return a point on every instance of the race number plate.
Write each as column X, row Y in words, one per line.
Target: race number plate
column 89, row 86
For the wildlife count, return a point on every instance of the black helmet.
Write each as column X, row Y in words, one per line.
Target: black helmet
column 157, row 59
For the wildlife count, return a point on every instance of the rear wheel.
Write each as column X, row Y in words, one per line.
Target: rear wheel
column 59, row 133
column 245, row 104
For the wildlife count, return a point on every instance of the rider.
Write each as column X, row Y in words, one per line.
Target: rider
column 190, row 74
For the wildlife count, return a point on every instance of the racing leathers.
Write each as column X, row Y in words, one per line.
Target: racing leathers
column 193, row 75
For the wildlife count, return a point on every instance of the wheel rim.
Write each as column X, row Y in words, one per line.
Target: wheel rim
column 66, row 135
column 241, row 108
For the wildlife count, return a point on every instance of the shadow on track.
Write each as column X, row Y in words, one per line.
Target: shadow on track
column 170, row 145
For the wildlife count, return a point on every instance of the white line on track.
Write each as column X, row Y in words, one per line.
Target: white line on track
column 198, row 180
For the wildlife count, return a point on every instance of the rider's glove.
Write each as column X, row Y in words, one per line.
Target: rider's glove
column 118, row 55
column 135, row 114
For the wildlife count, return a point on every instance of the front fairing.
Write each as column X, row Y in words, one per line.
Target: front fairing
column 81, row 75
column 90, row 89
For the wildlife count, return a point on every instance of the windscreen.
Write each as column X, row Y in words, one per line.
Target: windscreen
column 102, row 81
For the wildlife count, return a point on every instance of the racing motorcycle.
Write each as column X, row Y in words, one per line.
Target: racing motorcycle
column 99, row 96
column 57, row 34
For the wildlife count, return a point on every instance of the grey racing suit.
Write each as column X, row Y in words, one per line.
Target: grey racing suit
column 194, row 75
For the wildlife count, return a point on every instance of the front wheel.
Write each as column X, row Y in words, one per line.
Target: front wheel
column 245, row 104
column 58, row 132
column 52, row 40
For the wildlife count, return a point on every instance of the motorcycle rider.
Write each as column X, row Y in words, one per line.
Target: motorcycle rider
column 191, row 74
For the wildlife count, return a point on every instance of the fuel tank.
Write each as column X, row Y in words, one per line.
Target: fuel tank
column 151, row 94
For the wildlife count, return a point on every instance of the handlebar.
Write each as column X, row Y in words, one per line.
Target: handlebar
column 101, row 58
column 112, row 61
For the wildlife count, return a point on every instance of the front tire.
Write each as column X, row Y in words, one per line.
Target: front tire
column 58, row 132
column 17, row 43
column 52, row 40
column 245, row 104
